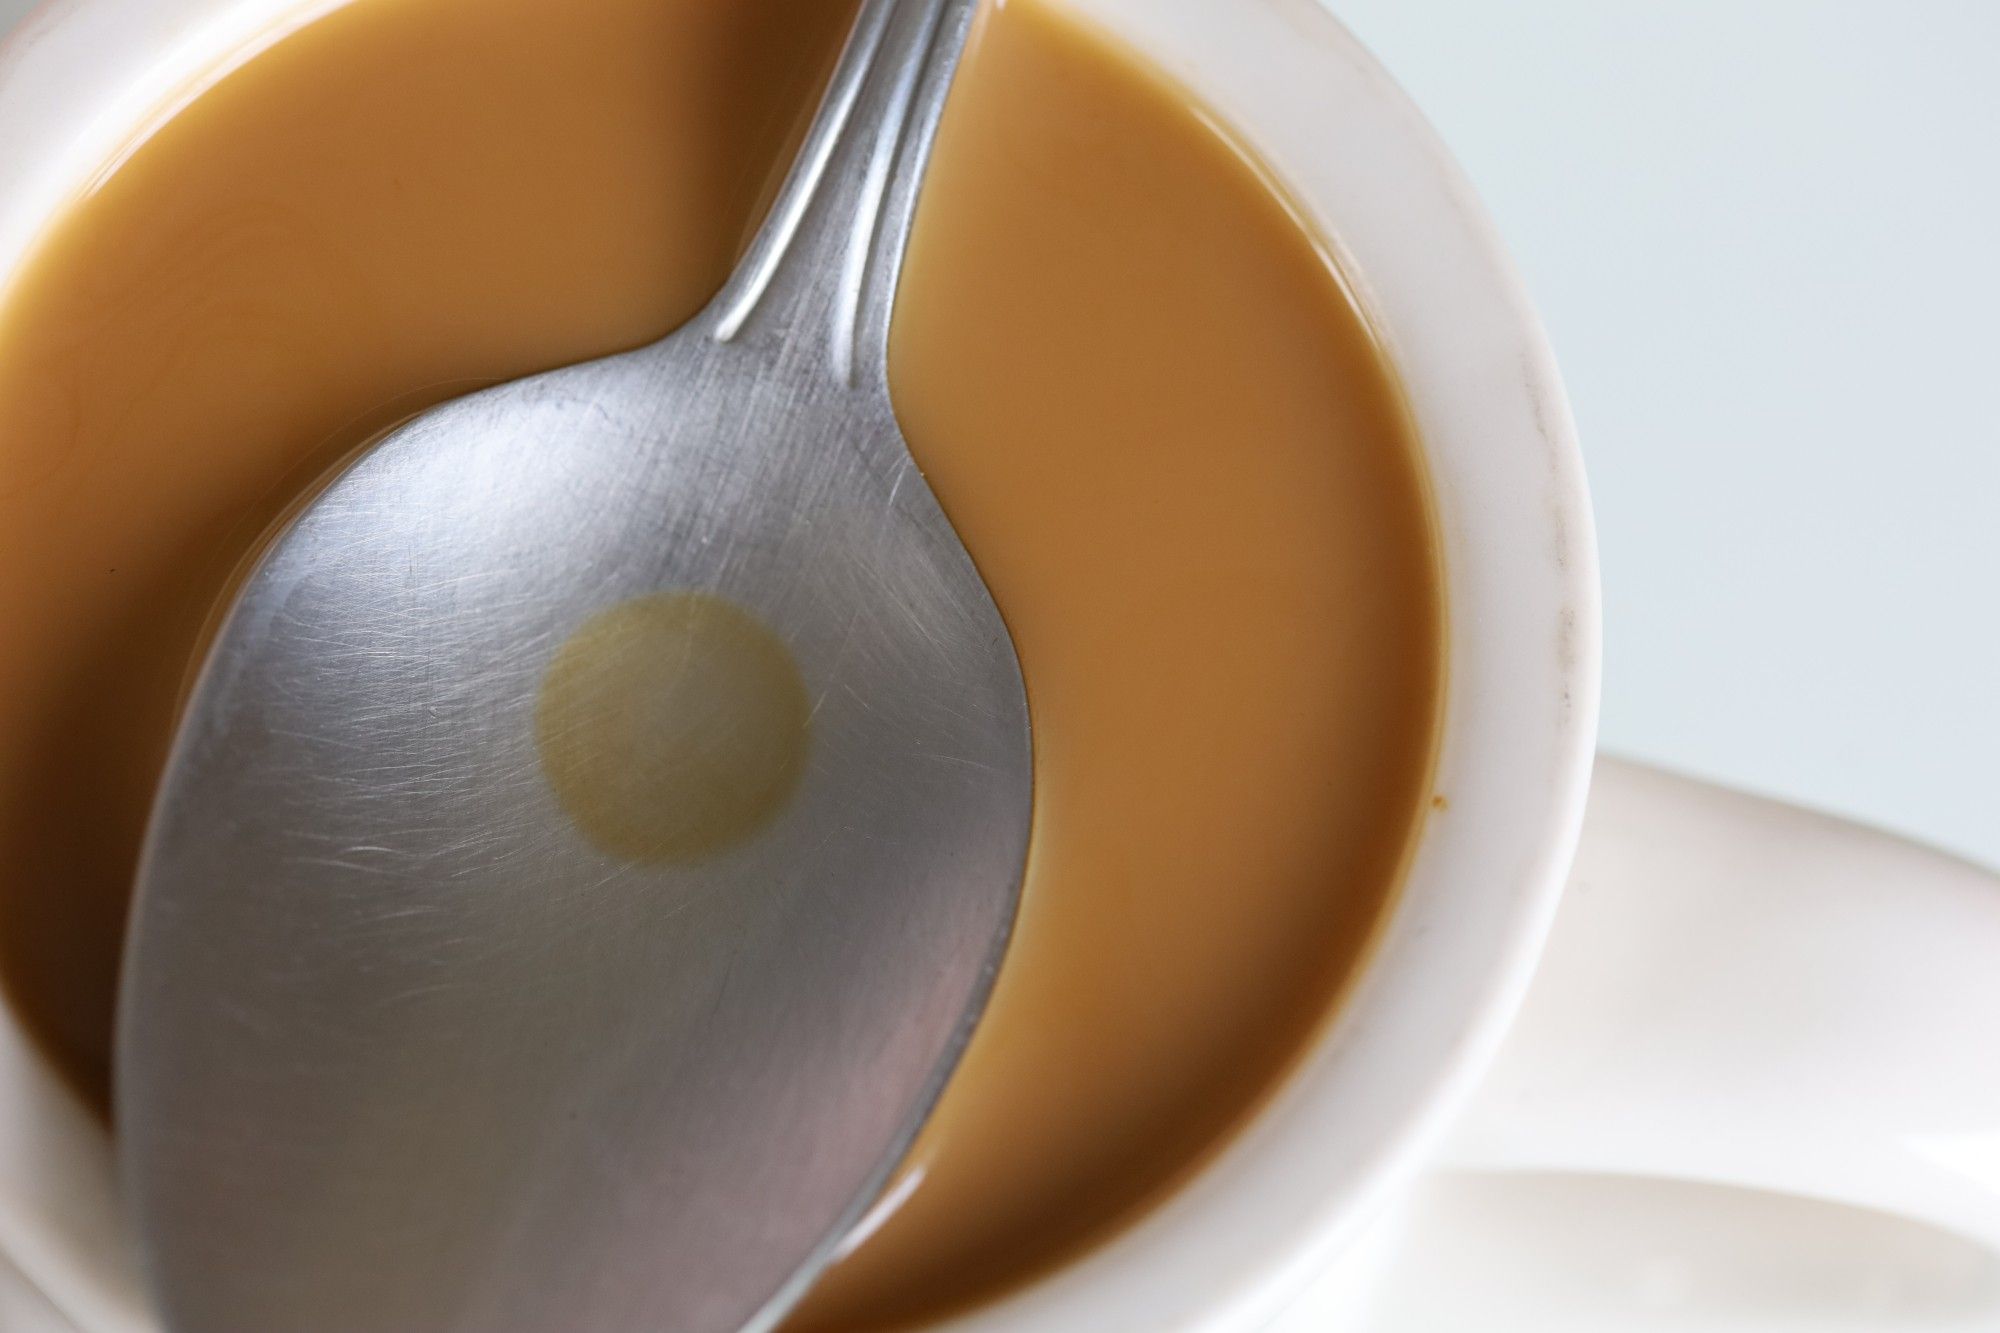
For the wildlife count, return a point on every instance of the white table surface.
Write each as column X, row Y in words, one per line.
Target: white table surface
column 1765, row 236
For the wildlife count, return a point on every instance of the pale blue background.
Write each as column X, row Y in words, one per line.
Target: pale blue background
column 1765, row 235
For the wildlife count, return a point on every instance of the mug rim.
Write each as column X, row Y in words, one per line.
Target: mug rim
column 1407, row 1042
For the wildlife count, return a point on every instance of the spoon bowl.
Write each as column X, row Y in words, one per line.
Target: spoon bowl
column 592, row 836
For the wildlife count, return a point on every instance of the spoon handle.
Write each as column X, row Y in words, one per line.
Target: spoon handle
column 819, row 279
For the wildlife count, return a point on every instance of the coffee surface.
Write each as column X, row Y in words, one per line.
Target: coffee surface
column 1137, row 383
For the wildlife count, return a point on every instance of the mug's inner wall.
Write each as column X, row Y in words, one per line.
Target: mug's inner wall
column 1138, row 385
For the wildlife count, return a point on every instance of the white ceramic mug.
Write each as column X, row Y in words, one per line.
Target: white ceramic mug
column 1374, row 1097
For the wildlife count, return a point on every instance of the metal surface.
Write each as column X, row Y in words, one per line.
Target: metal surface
column 401, row 1052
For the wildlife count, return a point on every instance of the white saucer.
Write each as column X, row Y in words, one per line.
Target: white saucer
column 1542, row 1253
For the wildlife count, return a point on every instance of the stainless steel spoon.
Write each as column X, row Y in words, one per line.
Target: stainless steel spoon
column 430, row 1027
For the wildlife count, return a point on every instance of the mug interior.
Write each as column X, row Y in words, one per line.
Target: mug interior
column 1370, row 179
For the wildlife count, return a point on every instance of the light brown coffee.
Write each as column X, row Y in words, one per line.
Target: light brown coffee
column 1138, row 385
